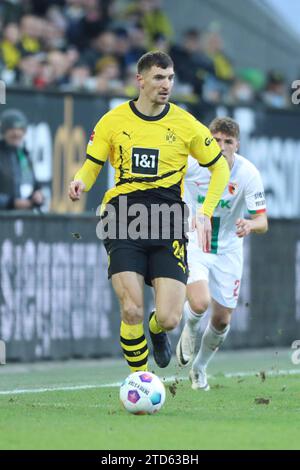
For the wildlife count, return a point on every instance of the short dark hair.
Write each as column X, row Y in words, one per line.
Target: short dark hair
column 225, row 125
column 158, row 58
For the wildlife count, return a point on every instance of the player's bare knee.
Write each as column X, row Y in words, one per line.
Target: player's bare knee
column 220, row 323
column 199, row 306
column 169, row 323
column 132, row 313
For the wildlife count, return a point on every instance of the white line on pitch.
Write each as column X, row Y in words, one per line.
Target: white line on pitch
column 117, row 384
column 57, row 389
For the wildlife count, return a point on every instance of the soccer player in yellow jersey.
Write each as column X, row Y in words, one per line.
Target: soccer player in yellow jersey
column 148, row 141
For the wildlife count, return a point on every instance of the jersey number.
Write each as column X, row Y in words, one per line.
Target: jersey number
column 236, row 289
column 179, row 253
column 144, row 161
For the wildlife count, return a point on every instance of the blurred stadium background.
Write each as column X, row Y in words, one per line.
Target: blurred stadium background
column 64, row 64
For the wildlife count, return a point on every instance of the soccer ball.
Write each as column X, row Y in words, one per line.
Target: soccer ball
column 142, row 393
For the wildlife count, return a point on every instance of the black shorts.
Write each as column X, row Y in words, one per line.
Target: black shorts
column 150, row 258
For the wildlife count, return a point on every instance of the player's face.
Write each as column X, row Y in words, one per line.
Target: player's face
column 156, row 84
column 228, row 144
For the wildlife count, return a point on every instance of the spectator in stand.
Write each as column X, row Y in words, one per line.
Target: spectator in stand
column 138, row 44
column 108, row 79
column 275, row 94
column 161, row 43
column 19, row 188
column 89, row 24
column 155, row 21
column 29, row 70
column 130, row 82
column 9, row 46
column 31, row 33
column 214, row 48
column 103, row 46
column 53, row 36
column 40, row 7
column 150, row 15
column 241, row 92
column 80, row 79
column 246, row 88
column 43, row 77
column 11, row 11
column 122, row 48
column 217, row 85
column 59, row 68
column 191, row 63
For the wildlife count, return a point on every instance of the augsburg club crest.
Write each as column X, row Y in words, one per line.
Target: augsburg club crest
column 233, row 188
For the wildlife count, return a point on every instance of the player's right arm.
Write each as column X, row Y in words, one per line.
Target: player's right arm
column 96, row 155
column 76, row 188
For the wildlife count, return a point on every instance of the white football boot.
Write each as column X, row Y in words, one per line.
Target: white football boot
column 185, row 346
column 199, row 380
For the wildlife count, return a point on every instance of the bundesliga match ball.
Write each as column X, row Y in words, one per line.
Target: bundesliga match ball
column 142, row 393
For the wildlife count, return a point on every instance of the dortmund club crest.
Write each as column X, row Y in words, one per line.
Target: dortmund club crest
column 170, row 137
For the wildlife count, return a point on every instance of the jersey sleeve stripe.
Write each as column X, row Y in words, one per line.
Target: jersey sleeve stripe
column 212, row 162
column 260, row 211
column 99, row 162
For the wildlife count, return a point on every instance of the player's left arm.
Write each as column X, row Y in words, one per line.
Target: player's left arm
column 258, row 223
column 207, row 152
column 256, row 205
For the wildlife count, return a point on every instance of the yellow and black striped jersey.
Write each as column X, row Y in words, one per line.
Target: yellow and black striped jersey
column 148, row 152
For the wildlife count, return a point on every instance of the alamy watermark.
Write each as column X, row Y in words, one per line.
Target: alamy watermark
column 2, row 92
column 2, row 353
column 296, row 94
column 296, row 353
column 143, row 221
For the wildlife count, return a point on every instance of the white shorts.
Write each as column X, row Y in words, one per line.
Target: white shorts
column 223, row 272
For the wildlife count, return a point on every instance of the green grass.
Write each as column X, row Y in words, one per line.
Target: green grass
column 227, row 417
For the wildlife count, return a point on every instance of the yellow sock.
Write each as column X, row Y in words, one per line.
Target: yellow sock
column 154, row 325
column 134, row 345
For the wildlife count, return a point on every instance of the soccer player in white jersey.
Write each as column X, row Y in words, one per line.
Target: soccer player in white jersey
column 215, row 277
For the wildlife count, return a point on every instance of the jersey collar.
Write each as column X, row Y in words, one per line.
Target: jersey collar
column 149, row 118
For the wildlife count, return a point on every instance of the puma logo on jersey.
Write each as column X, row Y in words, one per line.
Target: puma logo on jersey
column 128, row 135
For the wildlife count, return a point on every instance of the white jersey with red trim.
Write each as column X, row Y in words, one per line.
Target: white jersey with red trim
column 244, row 191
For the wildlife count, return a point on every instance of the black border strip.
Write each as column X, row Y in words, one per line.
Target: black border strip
column 213, row 161
column 149, row 118
column 132, row 342
column 94, row 160
column 138, row 363
column 148, row 179
column 134, row 353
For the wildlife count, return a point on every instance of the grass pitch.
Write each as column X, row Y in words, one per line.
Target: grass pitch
column 254, row 403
